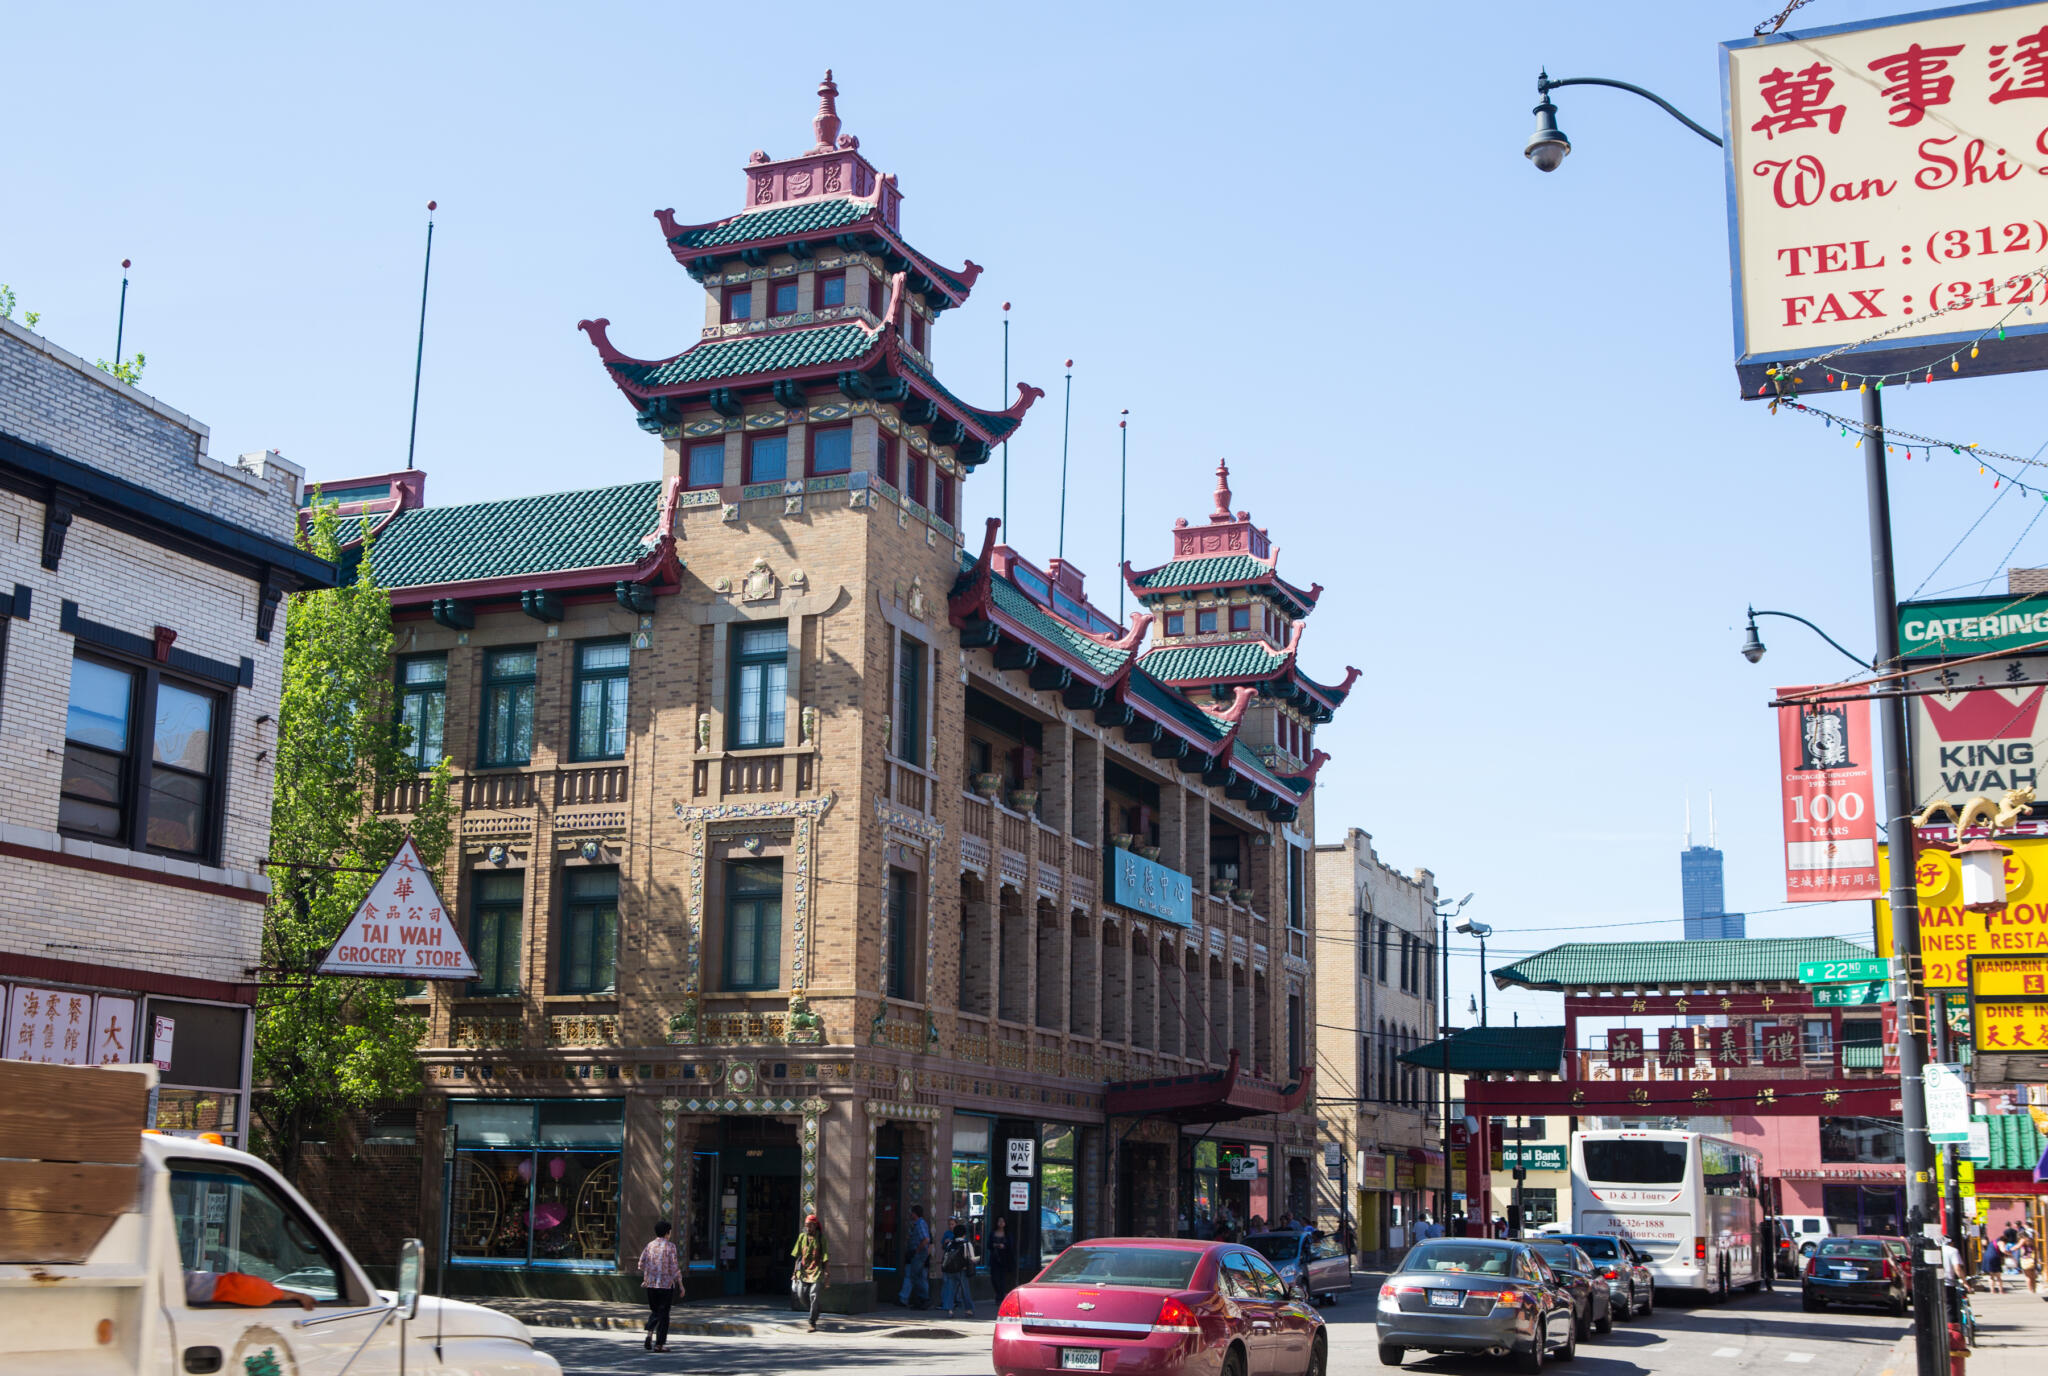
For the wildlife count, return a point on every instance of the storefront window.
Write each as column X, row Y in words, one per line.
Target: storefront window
column 1851, row 1141
column 703, row 1171
column 1058, row 1184
column 888, row 1250
column 970, row 1172
column 536, row 1184
column 1538, row 1207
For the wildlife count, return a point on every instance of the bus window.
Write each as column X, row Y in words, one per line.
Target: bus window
column 1634, row 1161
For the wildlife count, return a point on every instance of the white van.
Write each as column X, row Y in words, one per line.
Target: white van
column 130, row 1237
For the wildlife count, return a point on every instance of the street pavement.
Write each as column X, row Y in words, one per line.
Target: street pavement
column 1762, row 1335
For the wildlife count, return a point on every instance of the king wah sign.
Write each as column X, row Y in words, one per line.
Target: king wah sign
column 1885, row 197
column 1825, row 775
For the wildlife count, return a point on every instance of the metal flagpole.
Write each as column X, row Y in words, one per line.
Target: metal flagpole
column 121, row 322
column 420, row 353
column 1123, row 502
column 1066, row 427
column 1006, row 443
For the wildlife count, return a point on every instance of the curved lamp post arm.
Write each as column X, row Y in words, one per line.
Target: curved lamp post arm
column 1789, row 616
column 1545, row 84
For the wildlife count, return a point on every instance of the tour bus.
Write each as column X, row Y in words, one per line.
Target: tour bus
column 1689, row 1200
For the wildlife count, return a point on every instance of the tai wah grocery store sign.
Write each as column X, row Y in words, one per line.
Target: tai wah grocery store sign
column 1883, row 172
column 402, row 929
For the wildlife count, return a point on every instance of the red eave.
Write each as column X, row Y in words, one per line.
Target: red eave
column 870, row 223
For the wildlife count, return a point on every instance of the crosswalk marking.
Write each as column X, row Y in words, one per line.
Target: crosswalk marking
column 1727, row 1352
column 1798, row 1356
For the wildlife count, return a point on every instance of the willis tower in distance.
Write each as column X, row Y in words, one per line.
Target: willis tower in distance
column 1699, row 880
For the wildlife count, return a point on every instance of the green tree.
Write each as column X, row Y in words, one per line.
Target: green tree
column 329, row 1045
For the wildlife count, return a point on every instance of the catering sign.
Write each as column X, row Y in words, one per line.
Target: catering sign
column 402, row 929
column 1955, row 626
column 1881, row 173
column 1824, row 774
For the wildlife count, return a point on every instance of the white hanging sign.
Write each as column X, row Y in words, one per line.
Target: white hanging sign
column 402, row 930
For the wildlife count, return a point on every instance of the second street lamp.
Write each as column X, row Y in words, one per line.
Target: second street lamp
column 1548, row 147
column 1753, row 646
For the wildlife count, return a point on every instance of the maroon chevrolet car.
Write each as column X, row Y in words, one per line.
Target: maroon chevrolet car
column 1163, row 1307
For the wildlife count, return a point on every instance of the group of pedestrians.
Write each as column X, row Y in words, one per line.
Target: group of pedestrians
column 661, row 1276
column 959, row 1255
column 2018, row 1246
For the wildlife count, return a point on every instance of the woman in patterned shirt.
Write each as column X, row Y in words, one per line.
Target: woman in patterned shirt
column 660, row 1272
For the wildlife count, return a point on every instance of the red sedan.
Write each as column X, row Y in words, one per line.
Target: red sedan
column 1161, row 1306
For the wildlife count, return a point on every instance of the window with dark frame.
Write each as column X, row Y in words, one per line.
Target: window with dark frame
column 782, row 296
column 598, row 728
column 423, row 707
column 902, row 929
column 509, row 678
column 1294, row 1044
column 910, row 696
column 1240, row 618
column 494, row 922
column 707, row 464
column 942, row 496
column 166, row 798
column 739, row 303
column 1205, row 622
column 874, row 296
column 753, row 924
column 767, row 458
column 760, row 684
column 885, row 459
column 1176, row 623
column 590, row 929
column 916, row 331
column 917, row 465
column 831, row 449
column 831, row 289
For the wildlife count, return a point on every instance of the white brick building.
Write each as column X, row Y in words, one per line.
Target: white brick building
column 141, row 654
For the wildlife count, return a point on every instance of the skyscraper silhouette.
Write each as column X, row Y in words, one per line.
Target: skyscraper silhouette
column 1699, row 884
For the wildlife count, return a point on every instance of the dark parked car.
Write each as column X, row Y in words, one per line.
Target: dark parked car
column 1476, row 1295
column 1631, row 1287
column 1592, row 1302
column 1856, row 1270
column 1307, row 1258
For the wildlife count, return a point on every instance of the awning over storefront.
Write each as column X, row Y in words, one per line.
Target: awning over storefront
column 1216, row 1096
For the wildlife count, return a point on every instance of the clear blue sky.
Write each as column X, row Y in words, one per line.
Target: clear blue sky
column 1492, row 411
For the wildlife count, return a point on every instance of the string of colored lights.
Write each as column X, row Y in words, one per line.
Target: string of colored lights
column 1786, row 375
column 1987, row 459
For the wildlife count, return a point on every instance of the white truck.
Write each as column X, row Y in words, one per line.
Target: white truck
column 118, row 1249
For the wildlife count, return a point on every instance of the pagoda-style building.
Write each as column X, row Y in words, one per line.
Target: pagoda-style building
column 819, row 856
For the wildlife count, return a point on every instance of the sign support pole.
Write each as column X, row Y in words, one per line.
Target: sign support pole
column 1930, row 1327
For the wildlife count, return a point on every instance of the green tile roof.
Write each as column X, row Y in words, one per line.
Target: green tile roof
column 1190, row 573
column 1013, row 603
column 1476, row 1050
column 995, row 423
column 1234, row 659
column 1244, row 762
column 2016, row 1144
column 810, row 347
column 1635, row 963
column 802, row 217
column 1170, row 702
column 555, row 532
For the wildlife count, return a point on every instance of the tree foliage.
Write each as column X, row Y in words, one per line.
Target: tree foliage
column 328, row 1045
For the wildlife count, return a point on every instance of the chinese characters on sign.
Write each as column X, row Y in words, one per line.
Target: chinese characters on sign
column 1152, row 889
column 1780, row 1043
column 1830, row 826
column 1675, row 1048
column 1879, row 172
column 1625, row 1048
column 401, row 931
column 67, row 1027
column 1950, row 934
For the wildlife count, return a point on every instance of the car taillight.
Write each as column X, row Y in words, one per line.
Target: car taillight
column 1012, row 1306
column 1887, row 1270
column 1387, row 1292
column 1699, row 1249
column 1609, row 1273
column 1812, row 1267
column 1497, row 1296
column 1175, row 1317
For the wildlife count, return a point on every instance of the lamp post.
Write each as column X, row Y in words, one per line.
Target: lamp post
column 1753, row 646
column 1548, row 146
column 1481, row 930
column 1443, row 1046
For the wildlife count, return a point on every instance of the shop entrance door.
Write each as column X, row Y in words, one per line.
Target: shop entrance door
column 760, row 1205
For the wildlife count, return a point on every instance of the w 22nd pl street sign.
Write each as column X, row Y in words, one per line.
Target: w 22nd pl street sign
column 1843, row 971
column 1883, row 172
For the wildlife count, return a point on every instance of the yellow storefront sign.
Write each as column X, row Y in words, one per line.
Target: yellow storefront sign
column 2009, row 977
column 2012, row 1026
column 1949, row 933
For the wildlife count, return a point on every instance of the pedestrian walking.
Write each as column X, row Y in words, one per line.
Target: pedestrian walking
column 917, row 1257
column 661, row 1272
column 2030, row 1262
column 808, row 1276
column 956, row 1268
column 1993, row 1265
column 1002, row 1259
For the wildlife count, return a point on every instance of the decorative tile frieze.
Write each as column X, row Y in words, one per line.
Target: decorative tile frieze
column 487, row 1033
column 583, row 1029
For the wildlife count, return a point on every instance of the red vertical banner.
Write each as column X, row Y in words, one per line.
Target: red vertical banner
column 1625, row 1048
column 1889, row 1033
column 1731, row 1044
column 1675, row 1048
column 1779, row 1043
column 1825, row 776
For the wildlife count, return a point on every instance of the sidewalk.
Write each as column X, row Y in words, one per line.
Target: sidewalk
column 743, row 1319
column 2012, row 1335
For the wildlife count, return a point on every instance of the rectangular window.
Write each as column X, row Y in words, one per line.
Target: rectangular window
column 910, row 695
column 1176, row 623
column 707, row 464
column 942, row 497
column 494, row 918
column 885, row 459
column 874, row 296
column 166, row 799
column 916, row 331
column 767, row 458
column 423, row 707
column 590, row 930
column 902, row 922
column 1240, row 618
column 1205, row 622
column 760, row 683
column 599, row 729
column 753, row 923
column 831, row 289
column 1297, row 887
column 1293, row 1032
column 831, row 449
column 508, row 707
column 782, row 296
column 917, row 476
column 739, row 303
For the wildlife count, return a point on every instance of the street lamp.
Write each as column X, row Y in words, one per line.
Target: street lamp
column 1481, row 930
column 1548, row 146
column 1443, row 1042
column 1753, row 646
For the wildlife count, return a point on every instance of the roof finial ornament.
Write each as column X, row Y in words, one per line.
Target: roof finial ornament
column 826, row 123
column 1222, row 511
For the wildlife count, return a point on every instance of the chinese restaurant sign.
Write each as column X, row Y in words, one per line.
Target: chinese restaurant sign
column 402, row 930
column 1981, row 742
column 1882, row 171
column 1950, row 934
column 1824, row 771
column 1150, row 888
column 2009, row 1002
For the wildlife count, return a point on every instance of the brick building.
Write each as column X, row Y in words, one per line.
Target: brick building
column 142, row 645
column 815, row 856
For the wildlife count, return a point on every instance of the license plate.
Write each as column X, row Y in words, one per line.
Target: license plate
column 1848, row 1273
column 1446, row 1299
column 1080, row 1359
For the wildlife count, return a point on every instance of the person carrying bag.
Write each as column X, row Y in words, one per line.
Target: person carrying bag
column 956, row 1268
column 807, row 1278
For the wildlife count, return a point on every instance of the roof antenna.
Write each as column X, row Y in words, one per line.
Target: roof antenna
column 1713, row 838
column 420, row 353
column 1688, row 821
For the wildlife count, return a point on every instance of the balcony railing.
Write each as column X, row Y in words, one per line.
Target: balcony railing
column 1013, row 830
column 908, row 787
column 492, row 791
column 1050, row 850
column 753, row 774
column 978, row 816
column 590, row 784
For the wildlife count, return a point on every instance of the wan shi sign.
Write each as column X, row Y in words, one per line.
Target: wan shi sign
column 402, row 930
column 1882, row 173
